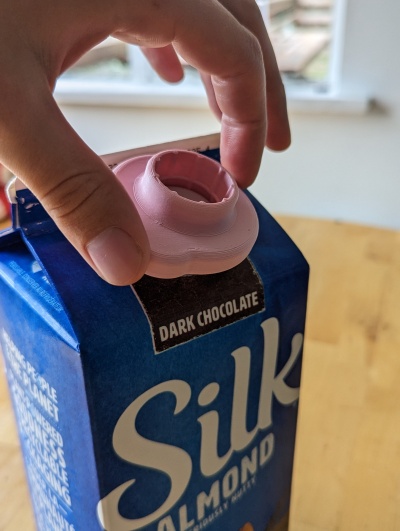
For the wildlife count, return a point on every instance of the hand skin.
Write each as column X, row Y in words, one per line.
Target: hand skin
column 39, row 39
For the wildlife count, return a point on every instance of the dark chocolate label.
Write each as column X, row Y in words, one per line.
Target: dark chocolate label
column 187, row 307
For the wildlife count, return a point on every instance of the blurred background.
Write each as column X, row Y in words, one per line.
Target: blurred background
column 339, row 62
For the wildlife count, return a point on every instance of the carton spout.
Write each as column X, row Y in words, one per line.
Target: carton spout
column 197, row 220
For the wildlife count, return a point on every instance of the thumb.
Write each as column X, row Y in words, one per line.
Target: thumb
column 77, row 189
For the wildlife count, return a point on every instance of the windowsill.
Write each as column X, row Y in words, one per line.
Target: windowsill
column 317, row 99
column 130, row 94
column 302, row 97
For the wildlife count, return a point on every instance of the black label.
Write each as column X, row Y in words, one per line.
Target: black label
column 187, row 307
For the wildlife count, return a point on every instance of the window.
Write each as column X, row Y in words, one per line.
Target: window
column 306, row 34
column 300, row 31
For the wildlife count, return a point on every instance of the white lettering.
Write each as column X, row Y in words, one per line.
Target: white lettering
column 249, row 466
column 134, row 448
column 184, row 525
column 166, row 524
column 190, row 324
column 230, row 482
column 229, row 308
column 204, row 500
column 176, row 462
column 163, row 333
column 266, row 448
column 272, row 384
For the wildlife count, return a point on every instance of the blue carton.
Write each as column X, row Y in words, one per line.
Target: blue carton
column 169, row 405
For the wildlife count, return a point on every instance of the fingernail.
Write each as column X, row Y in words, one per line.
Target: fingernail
column 117, row 256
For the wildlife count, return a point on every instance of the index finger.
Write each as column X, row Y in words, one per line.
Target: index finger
column 210, row 38
column 213, row 41
column 278, row 129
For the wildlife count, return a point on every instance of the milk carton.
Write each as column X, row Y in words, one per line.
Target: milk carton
column 169, row 405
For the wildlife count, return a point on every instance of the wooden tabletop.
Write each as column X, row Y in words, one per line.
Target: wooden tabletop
column 347, row 466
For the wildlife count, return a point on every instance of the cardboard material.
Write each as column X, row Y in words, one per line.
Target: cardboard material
column 170, row 405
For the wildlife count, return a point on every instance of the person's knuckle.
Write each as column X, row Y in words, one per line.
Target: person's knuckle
column 74, row 195
column 254, row 48
column 246, row 64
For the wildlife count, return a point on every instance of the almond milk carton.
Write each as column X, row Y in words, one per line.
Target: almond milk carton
column 171, row 404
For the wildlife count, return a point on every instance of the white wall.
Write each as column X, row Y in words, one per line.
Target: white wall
column 344, row 167
column 348, row 167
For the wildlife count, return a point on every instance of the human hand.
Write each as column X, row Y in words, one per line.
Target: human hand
column 40, row 39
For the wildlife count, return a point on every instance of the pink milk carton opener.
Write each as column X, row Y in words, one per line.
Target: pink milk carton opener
column 196, row 218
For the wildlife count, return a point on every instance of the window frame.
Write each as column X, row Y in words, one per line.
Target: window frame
column 327, row 96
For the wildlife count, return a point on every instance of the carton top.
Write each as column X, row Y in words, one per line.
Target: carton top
column 38, row 263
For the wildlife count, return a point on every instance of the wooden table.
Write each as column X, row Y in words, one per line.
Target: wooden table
column 347, row 467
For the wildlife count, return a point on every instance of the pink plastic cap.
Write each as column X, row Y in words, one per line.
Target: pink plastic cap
column 197, row 219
